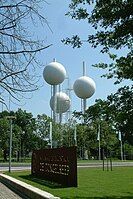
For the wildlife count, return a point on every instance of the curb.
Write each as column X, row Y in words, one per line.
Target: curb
column 26, row 189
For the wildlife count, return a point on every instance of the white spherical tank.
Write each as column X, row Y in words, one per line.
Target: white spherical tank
column 54, row 73
column 84, row 87
column 62, row 102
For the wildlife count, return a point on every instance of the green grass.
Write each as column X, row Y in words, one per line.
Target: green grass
column 92, row 183
column 97, row 161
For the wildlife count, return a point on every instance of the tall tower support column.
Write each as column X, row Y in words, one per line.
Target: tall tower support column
column 84, row 100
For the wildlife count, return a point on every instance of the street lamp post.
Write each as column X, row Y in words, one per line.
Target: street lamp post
column 10, row 144
column 75, row 135
column 10, row 150
column 99, row 142
column 50, row 135
column 120, row 139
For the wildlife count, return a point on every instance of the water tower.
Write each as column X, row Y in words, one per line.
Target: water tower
column 54, row 74
column 63, row 102
column 84, row 87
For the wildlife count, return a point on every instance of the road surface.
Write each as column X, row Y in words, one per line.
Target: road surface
column 4, row 167
column 14, row 168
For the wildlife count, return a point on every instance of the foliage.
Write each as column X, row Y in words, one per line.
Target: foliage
column 97, row 121
column 25, row 138
column 43, row 124
column 113, row 24
column 4, row 136
column 27, row 124
column 107, row 117
column 121, row 105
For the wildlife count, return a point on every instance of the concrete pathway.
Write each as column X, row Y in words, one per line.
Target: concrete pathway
column 6, row 193
column 29, row 191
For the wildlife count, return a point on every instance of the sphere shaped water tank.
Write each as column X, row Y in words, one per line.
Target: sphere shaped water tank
column 54, row 73
column 84, row 87
column 62, row 102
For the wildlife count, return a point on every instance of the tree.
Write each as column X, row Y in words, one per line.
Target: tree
column 117, row 111
column 112, row 116
column 121, row 112
column 4, row 137
column 16, row 141
column 5, row 134
column 27, row 124
column 113, row 24
column 43, row 126
column 19, row 47
column 112, row 21
column 24, row 134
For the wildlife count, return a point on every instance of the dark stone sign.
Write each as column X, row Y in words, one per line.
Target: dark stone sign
column 57, row 165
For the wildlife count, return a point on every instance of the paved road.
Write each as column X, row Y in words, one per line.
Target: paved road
column 80, row 165
column 18, row 168
column 6, row 193
column 114, row 164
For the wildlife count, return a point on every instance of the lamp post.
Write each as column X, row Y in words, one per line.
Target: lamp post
column 50, row 135
column 99, row 141
column 10, row 144
column 75, row 134
column 120, row 139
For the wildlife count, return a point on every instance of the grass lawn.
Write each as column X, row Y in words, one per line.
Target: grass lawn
column 92, row 183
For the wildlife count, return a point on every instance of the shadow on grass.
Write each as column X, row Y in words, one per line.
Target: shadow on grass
column 54, row 185
column 41, row 181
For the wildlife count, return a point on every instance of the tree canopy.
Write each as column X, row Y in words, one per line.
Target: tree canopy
column 25, row 136
column 113, row 24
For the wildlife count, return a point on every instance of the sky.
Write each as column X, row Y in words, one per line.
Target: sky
column 72, row 59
